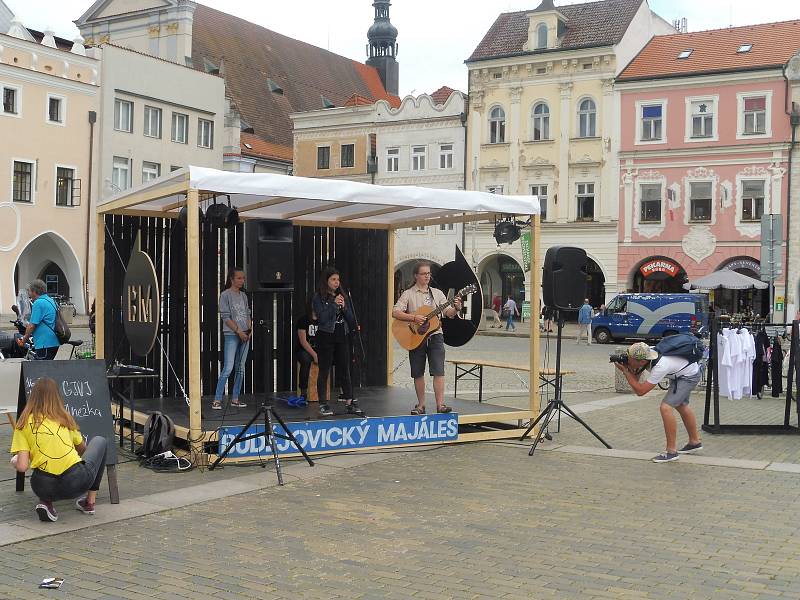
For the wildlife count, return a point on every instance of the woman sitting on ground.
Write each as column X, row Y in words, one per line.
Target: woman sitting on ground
column 47, row 440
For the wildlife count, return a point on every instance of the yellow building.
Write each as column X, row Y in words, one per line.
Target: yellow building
column 49, row 93
column 544, row 120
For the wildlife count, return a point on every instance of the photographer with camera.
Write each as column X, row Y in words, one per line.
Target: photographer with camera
column 675, row 358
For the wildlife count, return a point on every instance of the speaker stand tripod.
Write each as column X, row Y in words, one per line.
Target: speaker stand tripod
column 556, row 406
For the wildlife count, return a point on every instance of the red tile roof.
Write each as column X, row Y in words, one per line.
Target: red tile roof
column 262, row 148
column 588, row 25
column 305, row 73
column 358, row 100
column 715, row 51
column 441, row 95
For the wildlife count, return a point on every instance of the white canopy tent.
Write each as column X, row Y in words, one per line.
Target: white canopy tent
column 725, row 279
column 316, row 203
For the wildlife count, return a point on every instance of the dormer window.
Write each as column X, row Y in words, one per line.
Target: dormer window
column 274, row 87
column 541, row 36
column 327, row 103
column 685, row 53
column 210, row 67
column 744, row 48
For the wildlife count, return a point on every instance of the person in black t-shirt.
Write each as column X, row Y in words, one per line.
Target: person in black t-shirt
column 306, row 329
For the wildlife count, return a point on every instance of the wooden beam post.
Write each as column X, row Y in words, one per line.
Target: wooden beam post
column 536, row 290
column 100, row 291
column 193, row 285
column 390, row 301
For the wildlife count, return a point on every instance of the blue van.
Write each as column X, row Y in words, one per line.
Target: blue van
column 650, row 316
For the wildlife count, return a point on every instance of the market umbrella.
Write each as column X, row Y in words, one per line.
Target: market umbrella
column 726, row 279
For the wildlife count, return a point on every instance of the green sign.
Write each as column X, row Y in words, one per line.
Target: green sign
column 779, row 306
column 526, row 310
column 525, row 242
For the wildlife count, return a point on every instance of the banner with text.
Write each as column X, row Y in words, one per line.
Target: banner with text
column 349, row 434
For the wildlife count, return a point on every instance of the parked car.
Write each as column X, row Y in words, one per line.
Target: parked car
column 650, row 316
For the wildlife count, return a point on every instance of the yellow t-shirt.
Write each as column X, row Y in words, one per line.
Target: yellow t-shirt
column 51, row 446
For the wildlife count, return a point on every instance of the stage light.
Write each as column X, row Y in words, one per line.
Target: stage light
column 220, row 215
column 506, row 232
column 184, row 213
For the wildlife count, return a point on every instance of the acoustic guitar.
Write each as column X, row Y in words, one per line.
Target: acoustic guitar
column 410, row 335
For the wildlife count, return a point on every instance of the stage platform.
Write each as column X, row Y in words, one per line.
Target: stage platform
column 475, row 421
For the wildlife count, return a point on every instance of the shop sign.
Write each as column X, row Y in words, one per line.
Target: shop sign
column 142, row 302
column 744, row 263
column 659, row 266
column 526, row 310
column 510, row 267
column 345, row 434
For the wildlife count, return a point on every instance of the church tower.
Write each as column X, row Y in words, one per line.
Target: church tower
column 382, row 47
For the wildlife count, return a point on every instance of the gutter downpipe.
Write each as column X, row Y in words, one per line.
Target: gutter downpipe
column 794, row 120
column 92, row 120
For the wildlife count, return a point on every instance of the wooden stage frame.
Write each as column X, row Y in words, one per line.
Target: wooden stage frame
column 165, row 196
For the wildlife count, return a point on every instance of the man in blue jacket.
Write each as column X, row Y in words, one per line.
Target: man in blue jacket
column 42, row 322
column 585, row 322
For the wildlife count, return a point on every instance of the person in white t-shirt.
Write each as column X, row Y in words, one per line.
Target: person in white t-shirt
column 684, row 377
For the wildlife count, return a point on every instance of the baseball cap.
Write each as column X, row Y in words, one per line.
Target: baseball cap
column 641, row 351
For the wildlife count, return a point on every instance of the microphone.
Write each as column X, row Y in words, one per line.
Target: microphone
column 338, row 292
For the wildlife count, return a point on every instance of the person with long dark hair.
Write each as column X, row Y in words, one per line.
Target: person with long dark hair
column 336, row 320
column 47, row 440
column 237, row 328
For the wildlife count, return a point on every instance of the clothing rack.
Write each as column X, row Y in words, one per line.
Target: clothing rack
column 712, row 382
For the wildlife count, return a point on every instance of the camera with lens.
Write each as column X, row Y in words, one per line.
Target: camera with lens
column 619, row 357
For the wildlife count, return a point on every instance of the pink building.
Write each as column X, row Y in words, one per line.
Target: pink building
column 705, row 142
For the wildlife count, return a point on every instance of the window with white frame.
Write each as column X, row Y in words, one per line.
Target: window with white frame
column 120, row 173
column 180, row 128
column 150, row 171
column 540, row 129
column 348, row 155
column 23, row 182
column 497, row 126
column 123, row 115
column 323, row 157
column 587, row 118
column 755, row 115
column 495, row 189
column 205, row 133
column 650, row 203
column 446, row 227
column 541, row 192
column 652, row 122
column 10, row 100
column 700, row 201
column 65, row 186
column 418, row 158
column 152, row 121
column 585, row 198
column 417, row 229
column 55, row 109
column 393, row 160
column 752, row 199
column 702, row 119
column 541, row 36
column 446, row 156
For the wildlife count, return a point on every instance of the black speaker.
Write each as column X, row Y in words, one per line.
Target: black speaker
column 269, row 255
column 564, row 277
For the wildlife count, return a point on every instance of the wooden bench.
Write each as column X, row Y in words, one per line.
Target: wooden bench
column 473, row 369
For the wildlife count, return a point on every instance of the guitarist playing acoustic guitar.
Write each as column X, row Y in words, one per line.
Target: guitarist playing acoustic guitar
column 432, row 348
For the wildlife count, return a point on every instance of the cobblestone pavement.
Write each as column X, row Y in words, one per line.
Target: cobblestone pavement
column 474, row 521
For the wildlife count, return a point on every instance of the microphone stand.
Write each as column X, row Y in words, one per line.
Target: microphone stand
column 360, row 342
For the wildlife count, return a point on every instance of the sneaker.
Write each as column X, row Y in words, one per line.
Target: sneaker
column 689, row 448
column 46, row 511
column 666, row 457
column 354, row 409
column 83, row 505
column 342, row 398
column 325, row 410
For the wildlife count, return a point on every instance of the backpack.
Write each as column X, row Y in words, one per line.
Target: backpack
column 682, row 345
column 62, row 330
column 158, row 436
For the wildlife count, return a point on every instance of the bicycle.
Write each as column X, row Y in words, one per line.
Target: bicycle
column 65, row 301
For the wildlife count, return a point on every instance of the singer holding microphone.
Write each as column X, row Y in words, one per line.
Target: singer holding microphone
column 336, row 320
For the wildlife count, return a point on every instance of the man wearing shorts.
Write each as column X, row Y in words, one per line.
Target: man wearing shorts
column 683, row 377
column 432, row 349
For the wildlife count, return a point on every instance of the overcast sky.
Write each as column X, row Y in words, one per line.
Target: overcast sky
column 435, row 36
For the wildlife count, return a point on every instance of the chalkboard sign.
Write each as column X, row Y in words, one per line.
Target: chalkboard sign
column 84, row 388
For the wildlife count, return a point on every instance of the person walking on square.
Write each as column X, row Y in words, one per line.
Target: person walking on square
column 684, row 377
column 585, row 322
column 496, row 308
column 432, row 349
column 47, row 440
column 237, row 329
column 510, row 311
